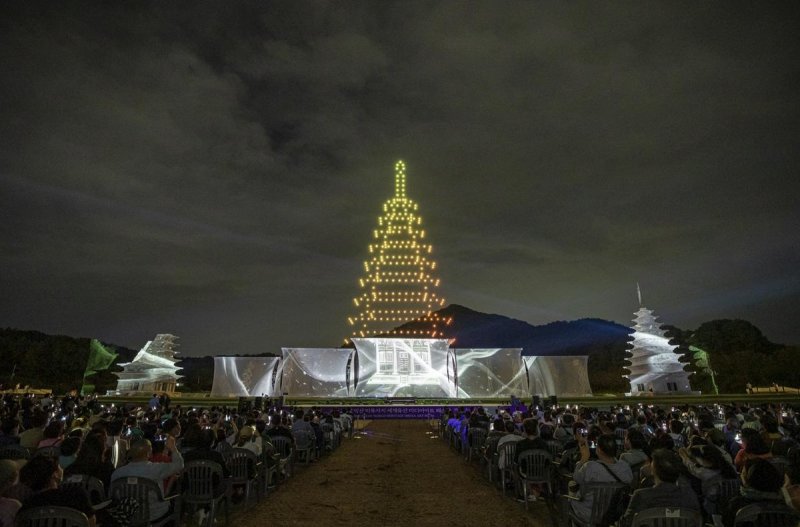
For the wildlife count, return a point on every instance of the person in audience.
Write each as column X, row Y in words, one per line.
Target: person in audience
column 791, row 487
column 483, row 419
column 498, row 431
column 9, row 432
column 666, row 467
column 141, row 467
column 201, row 449
column 761, row 483
column 92, row 461
column 53, row 434
column 676, row 433
column 563, row 431
column 753, row 447
column 635, row 448
column 280, row 427
column 706, row 463
column 531, row 441
column 642, row 426
column 716, row 437
column 249, row 439
column 605, row 469
column 9, row 474
column 511, row 436
column 42, row 476
column 69, row 451
column 117, row 443
column 31, row 437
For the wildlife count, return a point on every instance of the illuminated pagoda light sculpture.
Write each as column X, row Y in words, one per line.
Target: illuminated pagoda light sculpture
column 654, row 366
column 399, row 284
column 153, row 369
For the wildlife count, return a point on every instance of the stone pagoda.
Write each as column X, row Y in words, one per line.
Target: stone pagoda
column 654, row 366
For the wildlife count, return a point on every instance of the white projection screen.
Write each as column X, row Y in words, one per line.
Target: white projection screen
column 491, row 372
column 404, row 368
column 316, row 372
column 558, row 375
column 244, row 376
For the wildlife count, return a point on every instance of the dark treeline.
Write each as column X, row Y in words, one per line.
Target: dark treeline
column 738, row 353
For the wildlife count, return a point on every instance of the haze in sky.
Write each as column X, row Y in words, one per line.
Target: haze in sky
column 215, row 170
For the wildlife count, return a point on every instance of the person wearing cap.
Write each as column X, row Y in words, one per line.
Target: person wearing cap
column 9, row 474
column 249, row 439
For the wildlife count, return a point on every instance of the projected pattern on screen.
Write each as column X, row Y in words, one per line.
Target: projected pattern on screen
column 244, row 376
column 491, row 372
column 558, row 375
column 316, row 372
column 404, row 368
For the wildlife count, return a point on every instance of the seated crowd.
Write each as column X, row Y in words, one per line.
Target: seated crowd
column 50, row 449
column 710, row 461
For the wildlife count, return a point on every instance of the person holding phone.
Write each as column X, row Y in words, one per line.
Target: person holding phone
column 605, row 469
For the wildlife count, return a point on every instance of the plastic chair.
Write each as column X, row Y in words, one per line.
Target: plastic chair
column 476, row 437
column 204, row 485
column 534, row 466
column 223, row 447
column 721, row 494
column 781, row 463
column 14, row 452
column 48, row 451
column 142, row 490
column 284, row 449
column 506, row 453
column 331, row 438
column 636, row 470
column 305, row 446
column 269, row 462
column 245, row 470
column 555, row 448
column 601, row 495
column 93, row 486
column 766, row 515
column 666, row 517
column 47, row 516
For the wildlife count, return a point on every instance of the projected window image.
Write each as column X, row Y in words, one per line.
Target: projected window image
column 404, row 368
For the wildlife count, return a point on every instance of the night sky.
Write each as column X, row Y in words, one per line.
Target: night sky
column 215, row 170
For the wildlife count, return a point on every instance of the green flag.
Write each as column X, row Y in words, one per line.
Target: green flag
column 703, row 362
column 99, row 359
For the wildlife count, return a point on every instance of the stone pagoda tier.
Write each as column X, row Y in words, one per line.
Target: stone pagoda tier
column 153, row 370
column 654, row 366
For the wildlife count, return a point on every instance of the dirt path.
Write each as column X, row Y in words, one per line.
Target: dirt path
column 393, row 474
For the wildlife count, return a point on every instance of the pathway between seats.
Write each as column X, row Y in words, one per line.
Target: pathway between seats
column 395, row 474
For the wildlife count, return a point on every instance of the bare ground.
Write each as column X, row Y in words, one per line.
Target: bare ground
column 394, row 473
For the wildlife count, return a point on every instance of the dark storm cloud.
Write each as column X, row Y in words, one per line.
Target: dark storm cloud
column 216, row 171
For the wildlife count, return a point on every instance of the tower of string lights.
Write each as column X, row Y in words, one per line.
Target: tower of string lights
column 399, row 284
